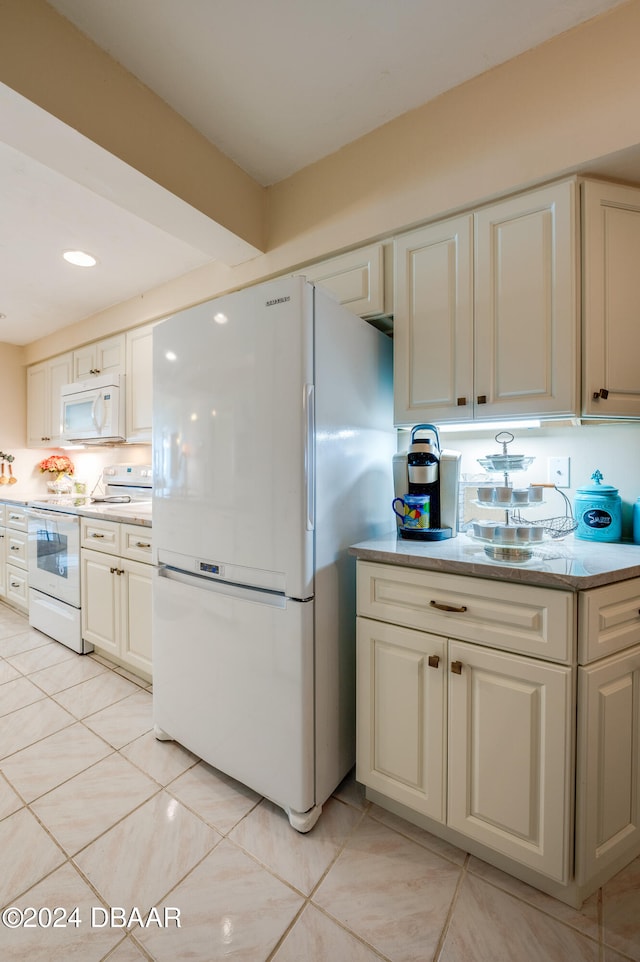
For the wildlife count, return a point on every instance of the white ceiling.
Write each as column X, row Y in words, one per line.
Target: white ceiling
column 275, row 85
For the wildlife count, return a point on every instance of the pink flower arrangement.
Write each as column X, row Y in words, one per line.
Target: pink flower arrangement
column 57, row 464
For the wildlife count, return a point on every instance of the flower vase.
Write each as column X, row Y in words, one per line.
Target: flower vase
column 61, row 485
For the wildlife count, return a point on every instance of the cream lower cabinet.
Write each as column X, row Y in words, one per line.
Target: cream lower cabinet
column 16, row 556
column 472, row 737
column 116, row 593
column 608, row 801
column 504, row 718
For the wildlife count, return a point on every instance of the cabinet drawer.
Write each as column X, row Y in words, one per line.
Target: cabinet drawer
column 135, row 542
column 608, row 620
column 100, row 535
column 17, row 587
column 16, row 543
column 16, row 518
column 521, row 618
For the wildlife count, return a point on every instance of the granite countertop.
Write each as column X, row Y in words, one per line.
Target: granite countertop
column 132, row 512
column 567, row 563
column 17, row 501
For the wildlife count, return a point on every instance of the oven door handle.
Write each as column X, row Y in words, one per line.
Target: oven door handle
column 52, row 515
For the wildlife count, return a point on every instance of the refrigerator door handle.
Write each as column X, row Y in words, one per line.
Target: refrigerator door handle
column 271, row 598
column 310, row 455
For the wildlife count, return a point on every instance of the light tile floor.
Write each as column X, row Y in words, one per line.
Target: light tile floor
column 95, row 813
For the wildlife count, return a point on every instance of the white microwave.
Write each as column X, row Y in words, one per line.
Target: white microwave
column 93, row 411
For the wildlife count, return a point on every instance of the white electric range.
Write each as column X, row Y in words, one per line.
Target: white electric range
column 54, row 549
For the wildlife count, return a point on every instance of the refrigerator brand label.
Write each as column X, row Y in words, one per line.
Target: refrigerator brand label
column 277, row 300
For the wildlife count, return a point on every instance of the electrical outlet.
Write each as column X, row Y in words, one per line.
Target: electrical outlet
column 558, row 469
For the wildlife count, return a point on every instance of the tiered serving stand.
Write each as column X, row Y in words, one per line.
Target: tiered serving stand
column 513, row 540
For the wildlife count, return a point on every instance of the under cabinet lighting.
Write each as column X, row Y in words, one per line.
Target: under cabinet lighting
column 80, row 258
column 488, row 425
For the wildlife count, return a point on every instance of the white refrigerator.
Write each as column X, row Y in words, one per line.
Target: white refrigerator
column 272, row 450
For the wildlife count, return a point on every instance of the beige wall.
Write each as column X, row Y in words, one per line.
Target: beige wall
column 547, row 112
column 47, row 60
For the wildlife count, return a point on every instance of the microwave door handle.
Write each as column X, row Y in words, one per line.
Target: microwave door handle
column 97, row 424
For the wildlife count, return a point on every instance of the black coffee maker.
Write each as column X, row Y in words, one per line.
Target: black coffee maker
column 426, row 469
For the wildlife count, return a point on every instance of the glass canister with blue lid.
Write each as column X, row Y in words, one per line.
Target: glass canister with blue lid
column 598, row 511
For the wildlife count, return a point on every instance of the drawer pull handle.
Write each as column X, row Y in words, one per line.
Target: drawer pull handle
column 456, row 667
column 461, row 401
column 442, row 607
column 602, row 393
column 434, row 661
column 14, row 517
column 15, row 547
column 142, row 544
column 482, row 399
column 15, row 584
column 94, row 535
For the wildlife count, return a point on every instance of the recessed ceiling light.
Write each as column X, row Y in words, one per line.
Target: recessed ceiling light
column 80, row 258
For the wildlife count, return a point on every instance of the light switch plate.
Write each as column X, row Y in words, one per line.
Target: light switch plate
column 558, row 469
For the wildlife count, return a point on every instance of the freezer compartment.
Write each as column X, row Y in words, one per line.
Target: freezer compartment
column 233, row 682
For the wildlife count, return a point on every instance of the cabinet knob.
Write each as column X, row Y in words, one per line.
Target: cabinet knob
column 461, row 401
column 434, row 661
column 602, row 393
column 456, row 667
column 440, row 605
column 482, row 399
column 113, row 571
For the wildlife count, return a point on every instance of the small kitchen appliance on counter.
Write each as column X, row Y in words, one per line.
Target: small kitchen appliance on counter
column 598, row 510
column 427, row 470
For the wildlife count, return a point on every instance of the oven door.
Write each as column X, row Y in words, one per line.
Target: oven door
column 54, row 554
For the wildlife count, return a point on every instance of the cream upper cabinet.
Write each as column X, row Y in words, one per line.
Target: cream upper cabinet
column 357, row 279
column 100, row 357
column 487, row 327
column 611, row 299
column 433, row 323
column 139, row 396
column 44, row 380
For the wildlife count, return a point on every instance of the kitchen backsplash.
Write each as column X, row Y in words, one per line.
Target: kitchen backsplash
column 88, row 464
column 613, row 448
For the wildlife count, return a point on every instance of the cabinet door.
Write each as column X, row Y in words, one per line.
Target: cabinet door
column 608, row 760
column 100, row 600
column 38, row 420
column 99, row 357
column 355, row 278
column 60, row 372
column 526, row 319
column 3, row 566
column 433, row 323
column 136, row 614
column 611, row 239
column 510, row 770
column 139, row 351
column 401, row 715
